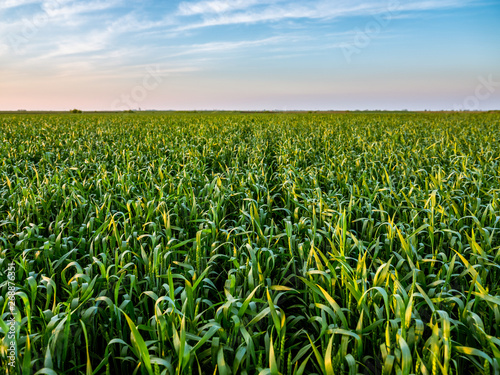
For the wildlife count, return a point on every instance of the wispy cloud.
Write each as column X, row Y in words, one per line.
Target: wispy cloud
column 218, row 13
column 227, row 46
column 6, row 4
column 70, row 9
column 215, row 6
column 63, row 35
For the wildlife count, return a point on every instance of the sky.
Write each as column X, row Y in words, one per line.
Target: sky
column 249, row 55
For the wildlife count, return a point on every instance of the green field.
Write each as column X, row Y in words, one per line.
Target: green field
column 250, row 243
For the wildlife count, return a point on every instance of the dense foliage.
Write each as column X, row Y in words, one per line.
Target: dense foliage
column 251, row 243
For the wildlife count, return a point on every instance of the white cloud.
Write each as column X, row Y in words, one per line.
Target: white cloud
column 215, row 6
column 218, row 13
column 269, row 14
column 226, row 46
column 6, row 4
column 63, row 9
column 95, row 33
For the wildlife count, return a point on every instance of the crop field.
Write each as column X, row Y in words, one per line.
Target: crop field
column 227, row 243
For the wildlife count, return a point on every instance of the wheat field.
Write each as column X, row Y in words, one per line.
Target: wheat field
column 228, row 243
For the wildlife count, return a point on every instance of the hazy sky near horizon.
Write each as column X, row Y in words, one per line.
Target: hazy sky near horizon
column 249, row 54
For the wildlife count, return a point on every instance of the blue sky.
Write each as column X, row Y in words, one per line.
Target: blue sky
column 249, row 54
